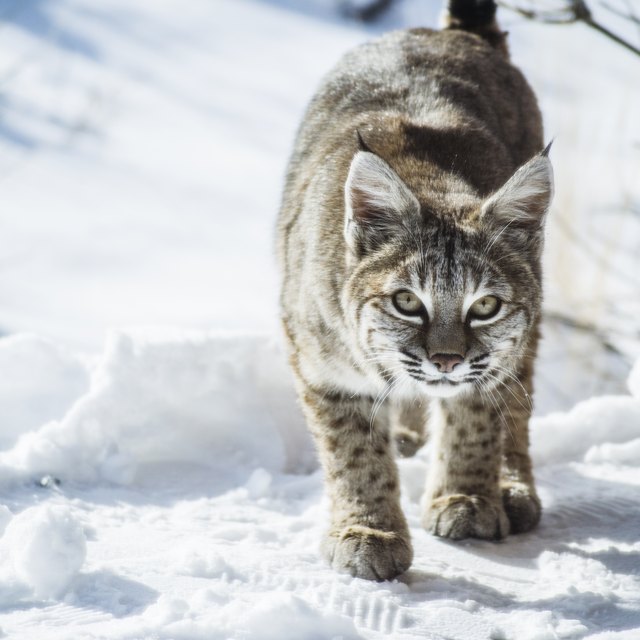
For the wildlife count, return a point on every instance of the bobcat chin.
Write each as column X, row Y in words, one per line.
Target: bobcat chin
column 410, row 238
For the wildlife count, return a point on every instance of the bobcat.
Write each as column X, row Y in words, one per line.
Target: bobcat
column 409, row 239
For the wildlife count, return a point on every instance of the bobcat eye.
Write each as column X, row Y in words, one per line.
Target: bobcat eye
column 485, row 307
column 407, row 303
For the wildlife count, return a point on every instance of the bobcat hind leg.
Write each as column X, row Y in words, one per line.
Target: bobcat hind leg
column 408, row 426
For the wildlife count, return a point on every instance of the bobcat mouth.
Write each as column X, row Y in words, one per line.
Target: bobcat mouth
column 444, row 380
column 419, row 376
column 444, row 388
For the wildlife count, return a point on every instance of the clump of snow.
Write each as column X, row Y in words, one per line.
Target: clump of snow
column 203, row 563
column 167, row 610
column 41, row 552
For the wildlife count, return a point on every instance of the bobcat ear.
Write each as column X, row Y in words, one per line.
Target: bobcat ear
column 376, row 202
column 520, row 206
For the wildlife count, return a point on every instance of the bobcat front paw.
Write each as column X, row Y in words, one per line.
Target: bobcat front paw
column 522, row 506
column 369, row 553
column 460, row 516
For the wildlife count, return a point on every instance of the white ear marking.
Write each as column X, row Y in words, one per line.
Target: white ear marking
column 376, row 198
column 526, row 196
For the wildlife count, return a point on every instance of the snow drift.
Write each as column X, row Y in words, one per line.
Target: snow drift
column 213, row 401
column 227, row 401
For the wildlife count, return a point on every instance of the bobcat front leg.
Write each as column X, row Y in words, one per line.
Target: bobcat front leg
column 368, row 535
column 516, row 479
column 463, row 497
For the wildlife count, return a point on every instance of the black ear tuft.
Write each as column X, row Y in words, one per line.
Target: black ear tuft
column 362, row 145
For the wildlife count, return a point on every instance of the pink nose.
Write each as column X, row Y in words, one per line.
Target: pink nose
column 446, row 362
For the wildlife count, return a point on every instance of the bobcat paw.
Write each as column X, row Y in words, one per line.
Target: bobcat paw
column 459, row 516
column 407, row 441
column 522, row 506
column 369, row 553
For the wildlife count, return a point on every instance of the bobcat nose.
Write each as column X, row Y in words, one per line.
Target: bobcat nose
column 446, row 362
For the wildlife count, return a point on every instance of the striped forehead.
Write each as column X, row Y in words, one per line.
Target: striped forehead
column 437, row 277
column 447, row 261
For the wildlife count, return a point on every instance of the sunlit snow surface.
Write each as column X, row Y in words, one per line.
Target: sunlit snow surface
column 188, row 481
column 159, row 483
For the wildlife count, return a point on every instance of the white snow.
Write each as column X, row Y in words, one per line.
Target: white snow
column 634, row 380
column 177, row 468
column 42, row 379
column 221, row 401
column 41, row 551
column 159, row 482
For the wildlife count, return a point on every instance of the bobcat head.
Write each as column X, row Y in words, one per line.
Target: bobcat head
column 443, row 295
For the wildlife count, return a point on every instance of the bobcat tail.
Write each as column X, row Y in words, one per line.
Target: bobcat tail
column 477, row 16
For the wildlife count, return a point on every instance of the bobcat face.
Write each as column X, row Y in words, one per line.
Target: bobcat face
column 440, row 305
column 442, row 328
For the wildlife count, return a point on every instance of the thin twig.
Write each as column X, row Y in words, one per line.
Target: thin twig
column 574, row 11
column 612, row 36
column 564, row 16
column 368, row 13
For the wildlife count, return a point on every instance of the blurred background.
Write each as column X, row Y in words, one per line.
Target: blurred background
column 143, row 147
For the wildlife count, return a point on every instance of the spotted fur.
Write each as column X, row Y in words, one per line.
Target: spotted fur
column 418, row 168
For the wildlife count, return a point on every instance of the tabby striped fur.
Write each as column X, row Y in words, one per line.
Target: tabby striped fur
column 418, row 168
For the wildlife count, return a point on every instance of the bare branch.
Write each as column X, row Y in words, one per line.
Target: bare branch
column 367, row 13
column 573, row 11
column 564, row 16
column 612, row 36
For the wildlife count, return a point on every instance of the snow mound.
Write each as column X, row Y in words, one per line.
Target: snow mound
column 286, row 617
column 41, row 552
column 277, row 616
column 605, row 428
column 216, row 401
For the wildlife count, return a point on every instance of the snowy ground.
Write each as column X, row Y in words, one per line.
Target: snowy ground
column 163, row 485
column 187, row 510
